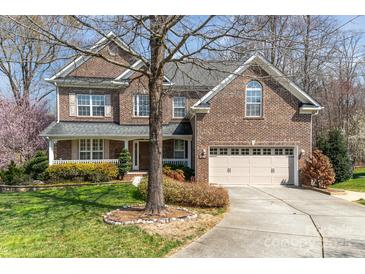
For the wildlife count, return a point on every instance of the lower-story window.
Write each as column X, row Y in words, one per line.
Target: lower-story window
column 179, row 149
column 91, row 149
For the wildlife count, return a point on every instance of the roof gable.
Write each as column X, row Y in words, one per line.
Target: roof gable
column 83, row 59
column 272, row 71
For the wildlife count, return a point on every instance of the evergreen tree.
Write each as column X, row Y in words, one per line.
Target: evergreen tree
column 125, row 162
column 36, row 166
column 335, row 147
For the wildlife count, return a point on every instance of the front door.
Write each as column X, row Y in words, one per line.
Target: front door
column 141, row 157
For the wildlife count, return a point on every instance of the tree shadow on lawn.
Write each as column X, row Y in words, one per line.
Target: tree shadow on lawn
column 359, row 174
column 68, row 206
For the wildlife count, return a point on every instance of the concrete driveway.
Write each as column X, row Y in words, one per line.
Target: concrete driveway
column 284, row 222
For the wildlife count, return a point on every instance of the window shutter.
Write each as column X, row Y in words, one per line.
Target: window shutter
column 108, row 106
column 72, row 104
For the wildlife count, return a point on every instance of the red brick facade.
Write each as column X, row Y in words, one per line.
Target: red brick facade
column 226, row 125
column 63, row 150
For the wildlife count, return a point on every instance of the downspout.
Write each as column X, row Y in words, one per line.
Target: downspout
column 195, row 145
column 57, row 104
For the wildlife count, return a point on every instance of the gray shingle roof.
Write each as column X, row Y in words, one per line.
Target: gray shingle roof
column 103, row 129
column 206, row 74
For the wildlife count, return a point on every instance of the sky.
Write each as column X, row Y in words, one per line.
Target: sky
column 358, row 24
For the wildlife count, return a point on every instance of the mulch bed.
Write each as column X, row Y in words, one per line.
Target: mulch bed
column 137, row 215
column 328, row 191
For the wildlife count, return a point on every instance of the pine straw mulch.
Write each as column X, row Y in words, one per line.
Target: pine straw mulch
column 137, row 214
column 187, row 231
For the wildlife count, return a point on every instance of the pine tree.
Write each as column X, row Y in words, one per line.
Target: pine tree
column 125, row 162
column 335, row 147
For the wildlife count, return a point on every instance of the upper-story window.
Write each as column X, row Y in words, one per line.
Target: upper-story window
column 178, row 107
column 90, row 105
column 253, row 99
column 141, row 105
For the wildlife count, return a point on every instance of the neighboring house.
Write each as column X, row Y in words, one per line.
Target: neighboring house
column 233, row 123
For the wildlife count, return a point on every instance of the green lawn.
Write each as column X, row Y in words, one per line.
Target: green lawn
column 355, row 184
column 361, row 201
column 68, row 223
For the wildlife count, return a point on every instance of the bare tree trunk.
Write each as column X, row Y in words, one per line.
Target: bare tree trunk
column 273, row 19
column 306, row 53
column 155, row 199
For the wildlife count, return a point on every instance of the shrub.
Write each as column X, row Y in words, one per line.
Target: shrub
column 334, row 146
column 125, row 162
column 14, row 175
column 190, row 194
column 318, row 170
column 176, row 174
column 94, row 172
column 37, row 166
column 188, row 172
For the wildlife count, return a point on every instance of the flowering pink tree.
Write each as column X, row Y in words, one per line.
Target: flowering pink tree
column 19, row 131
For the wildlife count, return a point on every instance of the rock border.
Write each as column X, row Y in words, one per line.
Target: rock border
column 29, row 188
column 189, row 217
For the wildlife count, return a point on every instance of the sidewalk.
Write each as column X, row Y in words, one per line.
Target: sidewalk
column 351, row 195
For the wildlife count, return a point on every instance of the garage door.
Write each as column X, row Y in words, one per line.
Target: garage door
column 237, row 166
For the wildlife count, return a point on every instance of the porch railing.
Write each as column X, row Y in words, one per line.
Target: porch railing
column 113, row 161
column 177, row 162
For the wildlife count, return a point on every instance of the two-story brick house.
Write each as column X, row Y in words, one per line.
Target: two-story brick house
column 233, row 123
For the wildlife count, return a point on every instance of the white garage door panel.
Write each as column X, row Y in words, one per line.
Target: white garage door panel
column 260, row 161
column 239, row 171
column 239, row 180
column 218, row 180
column 222, row 161
column 251, row 169
column 260, row 180
column 219, row 171
column 239, row 161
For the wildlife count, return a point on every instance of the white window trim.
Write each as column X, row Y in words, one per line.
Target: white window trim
column 90, row 105
column 173, row 107
column 136, row 104
column 175, row 150
column 91, row 148
column 246, row 103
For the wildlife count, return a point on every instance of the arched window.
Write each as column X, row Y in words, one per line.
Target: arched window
column 253, row 99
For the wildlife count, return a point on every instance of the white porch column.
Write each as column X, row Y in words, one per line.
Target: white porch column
column 189, row 153
column 126, row 144
column 50, row 151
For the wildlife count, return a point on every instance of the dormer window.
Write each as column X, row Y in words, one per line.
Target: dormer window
column 253, row 99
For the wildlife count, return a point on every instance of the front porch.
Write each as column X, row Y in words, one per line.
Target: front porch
column 176, row 151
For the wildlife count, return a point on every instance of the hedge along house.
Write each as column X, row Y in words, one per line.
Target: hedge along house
column 233, row 123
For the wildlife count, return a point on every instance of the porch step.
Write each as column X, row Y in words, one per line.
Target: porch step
column 137, row 180
column 133, row 174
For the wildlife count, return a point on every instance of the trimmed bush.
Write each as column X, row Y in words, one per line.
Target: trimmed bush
column 94, row 172
column 190, row 194
column 188, row 172
column 37, row 166
column 176, row 174
column 318, row 170
column 334, row 146
column 14, row 175
column 125, row 162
